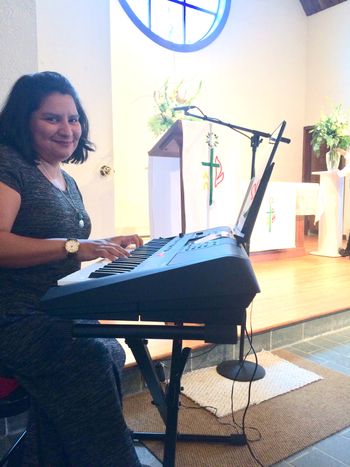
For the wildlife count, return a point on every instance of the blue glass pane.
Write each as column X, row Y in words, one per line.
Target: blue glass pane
column 198, row 24
column 167, row 20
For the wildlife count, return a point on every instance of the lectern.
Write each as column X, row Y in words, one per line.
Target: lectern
column 165, row 184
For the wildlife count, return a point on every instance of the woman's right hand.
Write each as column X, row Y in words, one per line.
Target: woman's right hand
column 104, row 248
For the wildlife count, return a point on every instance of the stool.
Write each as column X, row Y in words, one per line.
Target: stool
column 13, row 401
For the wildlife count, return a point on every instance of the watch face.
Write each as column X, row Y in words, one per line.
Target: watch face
column 72, row 246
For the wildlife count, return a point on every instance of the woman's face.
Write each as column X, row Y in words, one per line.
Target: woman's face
column 55, row 128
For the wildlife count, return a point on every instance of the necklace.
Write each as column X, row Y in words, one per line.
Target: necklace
column 67, row 196
column 71, row 202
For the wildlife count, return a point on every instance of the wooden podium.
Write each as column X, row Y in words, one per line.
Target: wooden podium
column 330, row 213
column 166, row 185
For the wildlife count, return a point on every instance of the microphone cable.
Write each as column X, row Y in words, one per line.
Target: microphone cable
column 251, row 349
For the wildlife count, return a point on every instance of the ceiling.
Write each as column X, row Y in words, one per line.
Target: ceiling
column 314, row 6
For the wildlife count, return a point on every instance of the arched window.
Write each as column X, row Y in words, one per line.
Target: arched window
column 181, row 25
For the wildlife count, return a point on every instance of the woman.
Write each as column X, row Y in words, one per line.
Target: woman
column 76, row 417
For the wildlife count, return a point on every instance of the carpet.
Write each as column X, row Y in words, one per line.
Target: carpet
column 285, row 424
column 214, row 392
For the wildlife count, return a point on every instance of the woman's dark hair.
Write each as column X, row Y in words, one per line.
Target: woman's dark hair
column 25, row 98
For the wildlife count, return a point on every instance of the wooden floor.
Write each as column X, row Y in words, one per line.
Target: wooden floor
column 297, row 289
column 292, row 290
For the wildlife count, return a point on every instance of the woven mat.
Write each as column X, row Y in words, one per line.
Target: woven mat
column 214, row 392
column 286, row 423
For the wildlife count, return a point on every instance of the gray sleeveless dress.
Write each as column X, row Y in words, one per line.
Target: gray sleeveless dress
column 76, row 415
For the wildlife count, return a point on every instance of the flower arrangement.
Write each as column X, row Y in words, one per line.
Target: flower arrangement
column 166, row 99
column 332, row 133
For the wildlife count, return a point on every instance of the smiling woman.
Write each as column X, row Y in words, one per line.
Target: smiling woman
column 44, row 235
column 181, row 25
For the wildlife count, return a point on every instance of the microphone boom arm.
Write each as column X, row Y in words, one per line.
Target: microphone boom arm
column 255, row 139
column 256, row 133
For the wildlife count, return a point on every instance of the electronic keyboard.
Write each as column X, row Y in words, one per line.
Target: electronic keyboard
column 198, row 277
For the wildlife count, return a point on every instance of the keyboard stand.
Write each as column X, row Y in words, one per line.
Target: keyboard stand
column 166, row 401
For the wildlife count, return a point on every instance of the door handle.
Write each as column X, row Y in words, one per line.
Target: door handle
column 105, row 170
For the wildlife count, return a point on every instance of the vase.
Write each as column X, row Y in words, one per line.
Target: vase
column 332, row 159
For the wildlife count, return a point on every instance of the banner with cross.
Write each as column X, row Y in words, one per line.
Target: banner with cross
column 209, row 176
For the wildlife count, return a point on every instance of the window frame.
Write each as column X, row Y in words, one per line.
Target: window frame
column 200, row 44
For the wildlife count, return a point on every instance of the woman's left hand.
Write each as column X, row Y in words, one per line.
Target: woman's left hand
column 127, row 240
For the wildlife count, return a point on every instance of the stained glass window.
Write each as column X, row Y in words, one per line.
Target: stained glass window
column 181, row 25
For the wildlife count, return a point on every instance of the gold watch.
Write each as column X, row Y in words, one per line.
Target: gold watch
column 71, row 246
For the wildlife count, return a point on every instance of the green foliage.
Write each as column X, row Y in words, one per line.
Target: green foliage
column 332, row 132
column 165, row 99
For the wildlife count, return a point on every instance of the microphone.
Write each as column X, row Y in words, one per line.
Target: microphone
column 185, row 107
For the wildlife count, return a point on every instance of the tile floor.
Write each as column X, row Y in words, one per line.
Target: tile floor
column 333, row 351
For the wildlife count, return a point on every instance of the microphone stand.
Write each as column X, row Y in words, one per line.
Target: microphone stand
column 241, row 369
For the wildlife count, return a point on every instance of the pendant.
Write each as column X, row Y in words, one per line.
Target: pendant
column 81, row 223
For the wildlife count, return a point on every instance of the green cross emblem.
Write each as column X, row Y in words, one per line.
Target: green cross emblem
column 270, row 213
column 212, row 141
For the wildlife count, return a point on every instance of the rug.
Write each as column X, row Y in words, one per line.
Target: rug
column 280, row 426
column 219, row 395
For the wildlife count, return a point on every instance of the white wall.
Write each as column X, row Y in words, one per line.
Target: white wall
column 254, row 75
column 328, row 61
column 18, row 42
